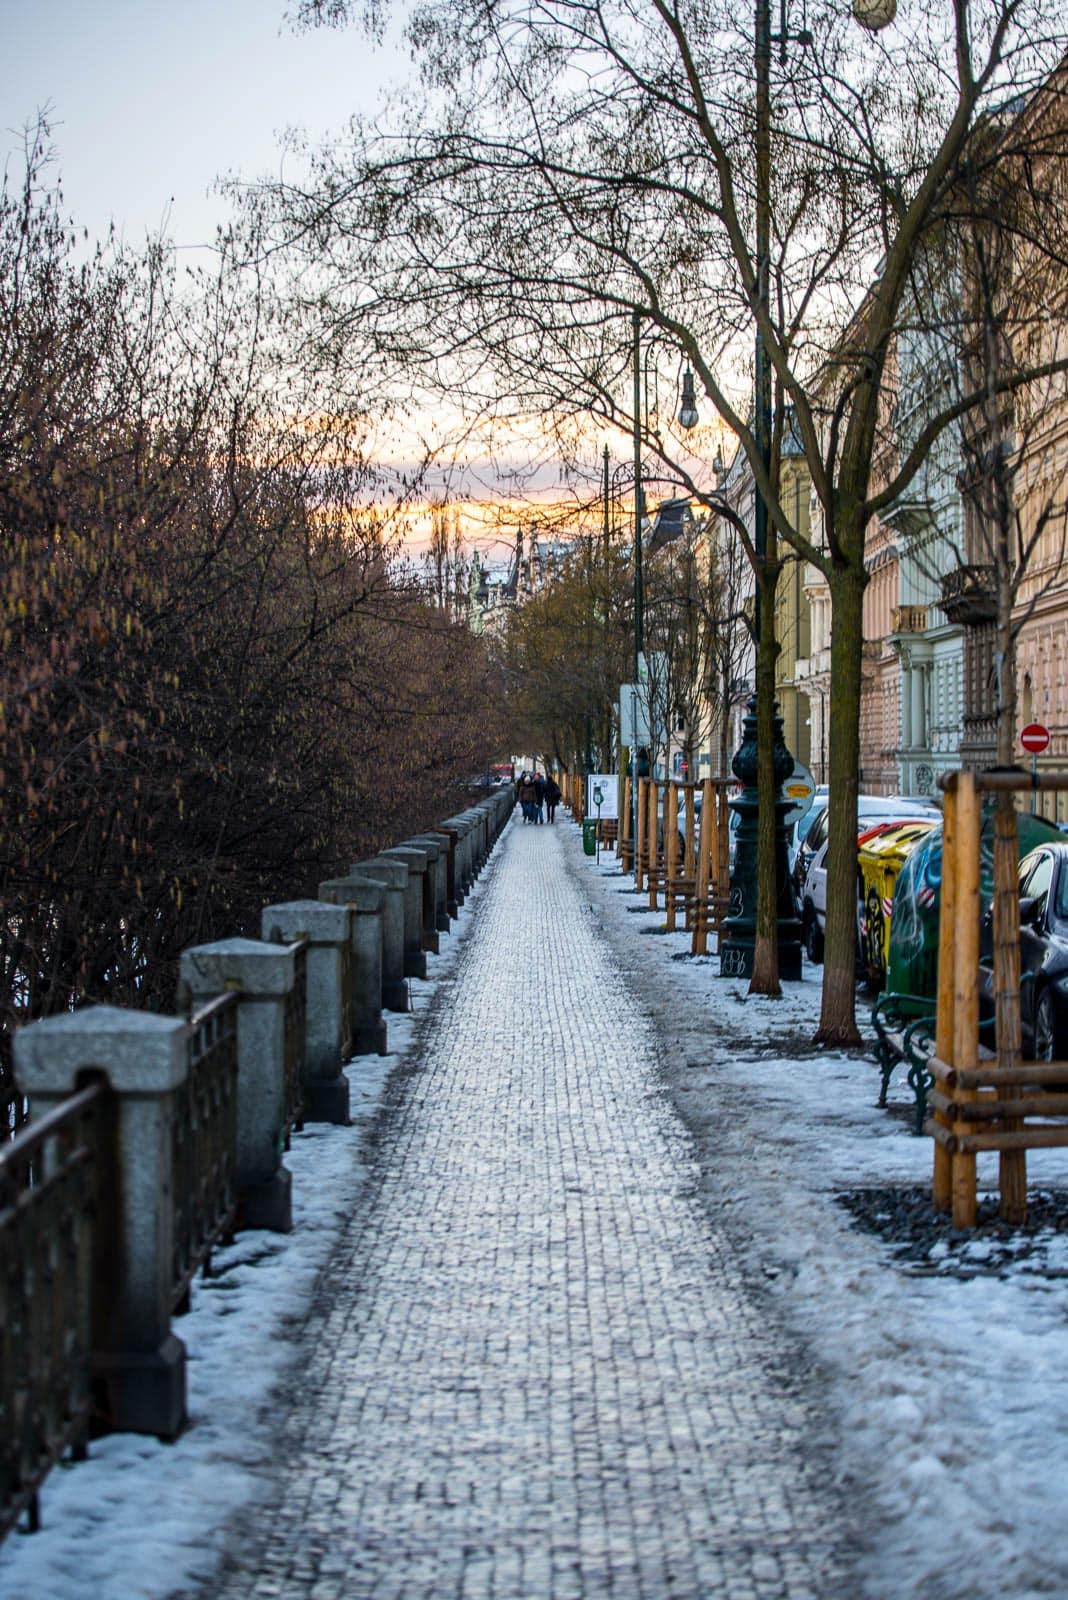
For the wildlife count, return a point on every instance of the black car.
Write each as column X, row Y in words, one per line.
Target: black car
column 1043, row 954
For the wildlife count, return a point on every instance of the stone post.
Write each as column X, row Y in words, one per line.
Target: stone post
column 138, row 1364
column 448, row 836
column 328, row 1011
column 469, row 853
column 459, row 829
column 364, row 899
column 437, row 847
column 265, row 975
column 393, row 876
column 414, row 864
column 422, row 869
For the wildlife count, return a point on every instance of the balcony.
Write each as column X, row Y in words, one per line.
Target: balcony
column 969, row 596
column 909, row 517
column 909, row 619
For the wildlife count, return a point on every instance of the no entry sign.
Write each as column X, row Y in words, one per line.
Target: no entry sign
column 1035, row 738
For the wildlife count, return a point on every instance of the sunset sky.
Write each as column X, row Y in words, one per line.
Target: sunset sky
column 152, row 102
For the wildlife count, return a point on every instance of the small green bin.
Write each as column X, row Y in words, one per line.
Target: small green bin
column 589, row 836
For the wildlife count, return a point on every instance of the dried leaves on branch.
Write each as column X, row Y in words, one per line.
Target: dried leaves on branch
column 217, row 687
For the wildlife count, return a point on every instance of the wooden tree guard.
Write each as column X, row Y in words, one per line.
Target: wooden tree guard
column 642, row 839
column 985, row 1100
column 624, row 843
column 699, row 919
column 653, row 868
column 689, row 864
column 686, row 884
column 711, row 886
column 671, row 851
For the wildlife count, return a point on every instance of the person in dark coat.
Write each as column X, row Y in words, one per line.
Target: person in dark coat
column 552, row 797
column 539, row 795
column 528, row 794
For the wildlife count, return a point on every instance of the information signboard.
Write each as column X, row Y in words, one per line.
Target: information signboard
column 605, row 784
column 634, row 729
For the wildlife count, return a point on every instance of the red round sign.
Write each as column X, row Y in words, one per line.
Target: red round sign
column 1035, row 738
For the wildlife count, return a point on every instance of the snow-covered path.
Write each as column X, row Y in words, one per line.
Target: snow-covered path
column 535, row 1369
column 938, row 1370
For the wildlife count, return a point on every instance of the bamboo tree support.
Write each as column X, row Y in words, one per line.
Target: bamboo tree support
column 699, row 939
column 671, row 851
column 642, row 842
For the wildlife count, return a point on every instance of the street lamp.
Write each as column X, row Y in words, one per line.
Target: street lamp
column 740, row 935
column 688, row 417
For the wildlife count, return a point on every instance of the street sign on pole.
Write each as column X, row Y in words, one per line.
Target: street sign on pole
column 1035, row 738
column 634, row 729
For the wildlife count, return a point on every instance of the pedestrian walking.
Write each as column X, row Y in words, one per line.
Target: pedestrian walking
column 528, row 796
column 552, row 797
column 539, row 795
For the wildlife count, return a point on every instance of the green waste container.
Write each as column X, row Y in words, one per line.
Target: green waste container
column 589, row 836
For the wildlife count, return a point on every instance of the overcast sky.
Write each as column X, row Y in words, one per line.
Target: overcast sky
column 152, row 100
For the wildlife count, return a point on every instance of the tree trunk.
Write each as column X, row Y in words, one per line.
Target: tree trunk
column 838, row 1024
column 765, row 976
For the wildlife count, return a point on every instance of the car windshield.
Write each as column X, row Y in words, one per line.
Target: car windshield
column 1060, row 904
column 804, row 823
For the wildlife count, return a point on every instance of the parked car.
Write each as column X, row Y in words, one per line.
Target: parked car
column 795, row 833
column 1043, row 888
column 810, row 870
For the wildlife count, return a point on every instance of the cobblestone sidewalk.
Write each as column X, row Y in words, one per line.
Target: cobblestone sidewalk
column 535, row 1372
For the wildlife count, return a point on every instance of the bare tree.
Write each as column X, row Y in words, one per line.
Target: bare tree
column 213, row 688
column 575, row 162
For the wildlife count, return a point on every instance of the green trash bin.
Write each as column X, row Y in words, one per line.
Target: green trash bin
column 589, row 836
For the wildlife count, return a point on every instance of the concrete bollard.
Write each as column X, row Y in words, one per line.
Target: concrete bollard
column 415, row 866
column 328, row 1011
column 365, row 898
column 437, row 846
column 393, row 876
column 468, row 824
column 422, row 868
column 138, row 1364
column 266, row 977
column 485, row 824
column 448, row 836
column 460, row 828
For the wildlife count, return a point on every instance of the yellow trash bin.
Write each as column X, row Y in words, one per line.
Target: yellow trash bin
column 880, row 859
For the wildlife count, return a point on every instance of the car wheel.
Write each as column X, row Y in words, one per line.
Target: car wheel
column 813, row 937
column 1045, row 1028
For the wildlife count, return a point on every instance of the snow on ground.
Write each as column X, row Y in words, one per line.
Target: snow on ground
column 945, row 1378
column 139, row 1520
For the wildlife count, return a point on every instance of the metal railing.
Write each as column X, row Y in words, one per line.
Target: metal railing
column 204, row 1140
column 48, row 1193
